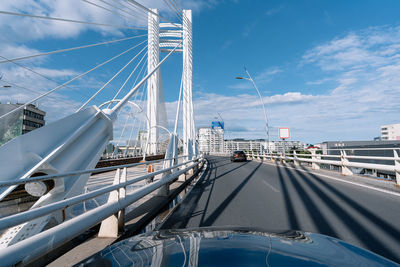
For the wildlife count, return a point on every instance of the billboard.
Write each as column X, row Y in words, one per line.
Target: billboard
column 217, row 124
column 284, row 133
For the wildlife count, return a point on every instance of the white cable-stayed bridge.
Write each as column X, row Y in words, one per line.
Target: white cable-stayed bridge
column 55, row 166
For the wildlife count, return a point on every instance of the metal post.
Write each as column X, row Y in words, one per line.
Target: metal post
column 284, row 150
column 314, row 165
column 296, row 160
column 397, row 166
column 343, row 158
column 109, row 227
column 122, row 194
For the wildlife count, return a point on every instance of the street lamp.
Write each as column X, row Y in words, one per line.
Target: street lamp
column 262, row 102
column 4, row 86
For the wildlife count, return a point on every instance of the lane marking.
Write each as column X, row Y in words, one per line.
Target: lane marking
column 270, row 186
column 340, row 180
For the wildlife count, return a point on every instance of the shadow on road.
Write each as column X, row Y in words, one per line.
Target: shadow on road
column 294, row 224
column 304, row 183
column 204, row 189
column 186, row 211
column 217, row 212
column 322, row 223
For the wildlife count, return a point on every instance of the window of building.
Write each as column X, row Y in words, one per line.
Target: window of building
column 32, row 124
column 33, row 114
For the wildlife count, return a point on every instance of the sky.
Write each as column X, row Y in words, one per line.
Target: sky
column 329, row 70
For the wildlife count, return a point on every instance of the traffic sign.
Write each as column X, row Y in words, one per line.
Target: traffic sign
column 284, row 133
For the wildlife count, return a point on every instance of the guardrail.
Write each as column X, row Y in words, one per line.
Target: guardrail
column 343, row 161
column 33, row 247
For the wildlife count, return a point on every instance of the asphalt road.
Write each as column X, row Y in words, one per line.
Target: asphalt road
column 273, row 197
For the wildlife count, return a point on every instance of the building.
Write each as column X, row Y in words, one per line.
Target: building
column 142, row 139
column 390, row 132
column 161, row 144
column 368, row 148
column 280, row 146
column 211, row 139
column 20, row 122
column 260, row 146
column 255, row 146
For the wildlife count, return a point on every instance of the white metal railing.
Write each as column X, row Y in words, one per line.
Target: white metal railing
column 219, row 153
column 343, row 160
column 72, row 173
column 45, row 241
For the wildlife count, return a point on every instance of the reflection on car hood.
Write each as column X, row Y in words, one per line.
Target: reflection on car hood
column 233, row 247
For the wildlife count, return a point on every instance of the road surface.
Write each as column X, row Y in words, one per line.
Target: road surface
column 276, row 197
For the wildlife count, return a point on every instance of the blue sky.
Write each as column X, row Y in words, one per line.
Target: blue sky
column 329, row 70
column 276, row 34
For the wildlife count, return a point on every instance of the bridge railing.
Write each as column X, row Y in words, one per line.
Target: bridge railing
column 343, row 160
column 118, row 200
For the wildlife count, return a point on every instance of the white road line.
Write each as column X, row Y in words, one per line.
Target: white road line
column 341, row 180
column 270, row 186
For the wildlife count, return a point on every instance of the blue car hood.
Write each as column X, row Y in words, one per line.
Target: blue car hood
column 233, row 247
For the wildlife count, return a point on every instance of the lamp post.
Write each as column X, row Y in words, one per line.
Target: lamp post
column 4, row 86
column 262, row 102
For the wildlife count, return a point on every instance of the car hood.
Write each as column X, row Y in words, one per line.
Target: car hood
column 233, row 247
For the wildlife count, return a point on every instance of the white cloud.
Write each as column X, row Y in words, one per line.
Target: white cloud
column 267, row 74
column 226, row 45
column 365, row 67
column 9, row 51
column 372, row 47
column 260, row 79
column 21, row 29
column 290, row 97
column 318, row 82
column 243, row 114
column 19, row 33
column 275, row 10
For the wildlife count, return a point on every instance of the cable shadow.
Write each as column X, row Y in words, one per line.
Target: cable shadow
column 186, row 210
column 367, row 239
column 208, row 197
column 225, row 162
column 384, row 225
column 182, row 216
column 292, row 219
column 216, row 213
column 232, row 170
column 314, row 213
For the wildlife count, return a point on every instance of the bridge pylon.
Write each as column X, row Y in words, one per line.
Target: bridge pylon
column 189, row 135
column 162, row 38
column 154, row 85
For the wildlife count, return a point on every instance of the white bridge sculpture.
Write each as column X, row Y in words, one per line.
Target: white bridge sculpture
column 77, row 142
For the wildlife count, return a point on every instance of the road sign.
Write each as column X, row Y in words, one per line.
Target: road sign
column 284, row 133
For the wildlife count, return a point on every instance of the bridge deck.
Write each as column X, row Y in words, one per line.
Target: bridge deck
column 100, row 180
column 277, row 197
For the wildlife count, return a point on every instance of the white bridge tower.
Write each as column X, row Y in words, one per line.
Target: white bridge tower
column 163, row 37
